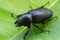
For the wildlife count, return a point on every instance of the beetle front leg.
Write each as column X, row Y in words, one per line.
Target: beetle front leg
column 27, row 32
column 13, row 16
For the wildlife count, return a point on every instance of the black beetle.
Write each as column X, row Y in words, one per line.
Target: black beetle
column 34, row 16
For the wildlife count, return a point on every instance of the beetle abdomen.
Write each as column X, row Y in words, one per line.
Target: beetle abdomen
column 41, row 15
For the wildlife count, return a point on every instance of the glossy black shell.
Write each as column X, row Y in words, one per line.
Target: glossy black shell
column 41, row 15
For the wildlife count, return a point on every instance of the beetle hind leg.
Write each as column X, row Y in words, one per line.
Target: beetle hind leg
column 45, row 31
column 51, row 19
column 44, row 5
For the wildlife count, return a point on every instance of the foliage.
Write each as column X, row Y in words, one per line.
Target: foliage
column 8, row 31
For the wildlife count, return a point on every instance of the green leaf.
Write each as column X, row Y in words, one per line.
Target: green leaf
column 8, row 31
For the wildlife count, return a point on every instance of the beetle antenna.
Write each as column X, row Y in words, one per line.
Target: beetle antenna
column 30, row 7
column 44, row 5
column 13, row 16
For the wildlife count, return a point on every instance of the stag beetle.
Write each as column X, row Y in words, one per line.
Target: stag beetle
column 34, row 16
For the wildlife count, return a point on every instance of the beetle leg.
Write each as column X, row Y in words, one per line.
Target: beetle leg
column 30, row 7
column 27, row 33
column 51, row 19
column 41, row 29
column 19, row 15
column 44, row 5
column 37, row 27
column 12, row 16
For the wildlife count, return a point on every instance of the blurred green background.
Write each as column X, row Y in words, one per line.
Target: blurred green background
column 8, row 31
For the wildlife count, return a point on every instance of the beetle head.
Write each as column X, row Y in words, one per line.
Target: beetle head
column 18, row 23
